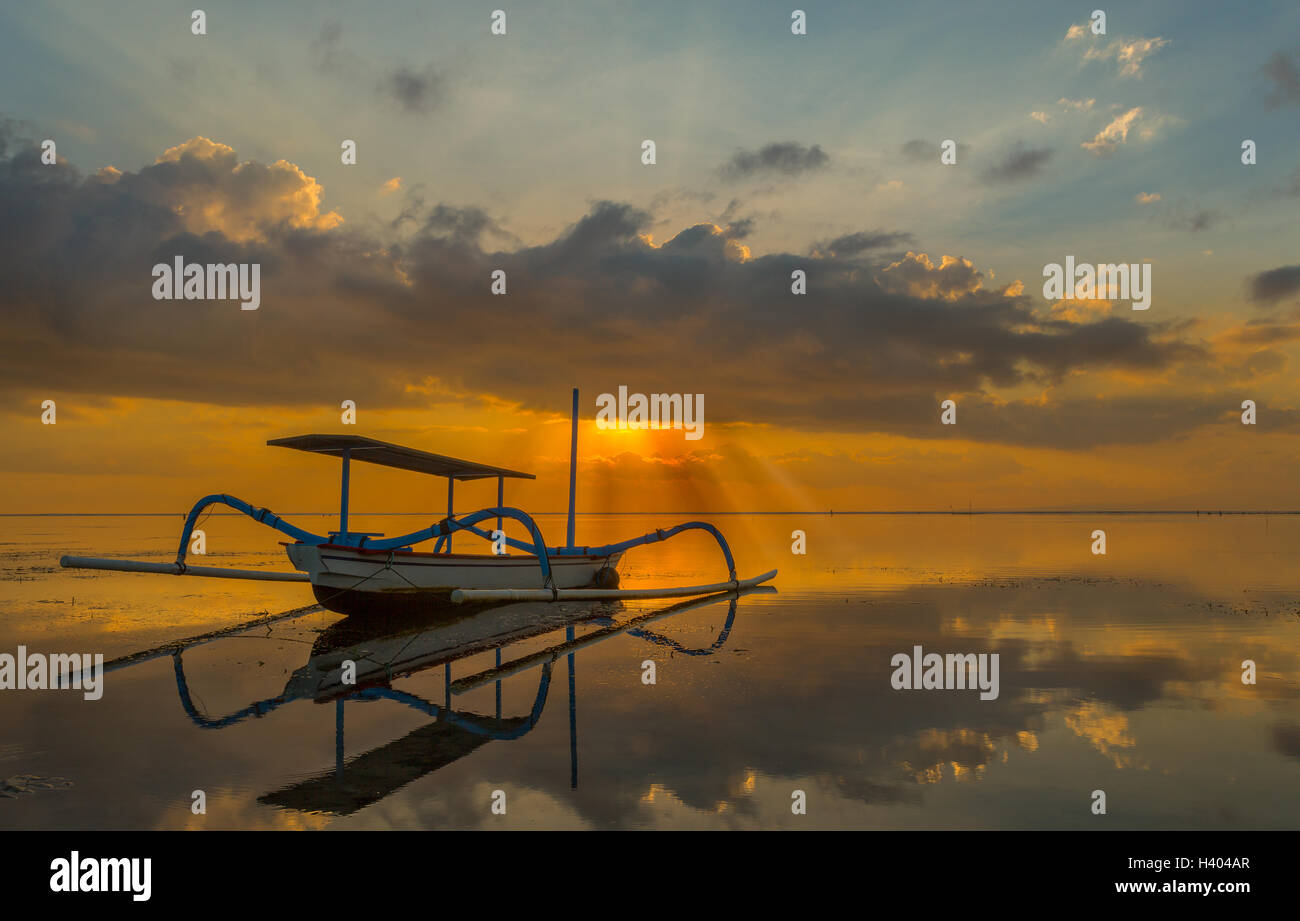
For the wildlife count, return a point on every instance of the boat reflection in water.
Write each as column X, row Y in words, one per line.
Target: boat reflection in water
column 377, row 651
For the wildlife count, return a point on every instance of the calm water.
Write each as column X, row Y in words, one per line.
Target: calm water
column 1117, row 672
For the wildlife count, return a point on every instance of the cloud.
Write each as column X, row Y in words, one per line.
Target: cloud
column 1255, row 334
column 1275, row 284
column 205, row 189
column 917, row 275
column 1019, row 163
column 1076, row 105
column 383, row 312
column 182, row 70
column 854, row 243
column 917, row 150
column 325, row 49
column 415, row 91
column 1193, row 222
column 1282, row 70
column 328, row 55
column 1116, row 132
column 1128, row 53
column 739, row 229
column 1042, row 117
column 786, row 158
column 1178, row 215
column 464, row 225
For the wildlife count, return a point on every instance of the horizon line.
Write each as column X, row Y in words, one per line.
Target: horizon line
column 823, row 512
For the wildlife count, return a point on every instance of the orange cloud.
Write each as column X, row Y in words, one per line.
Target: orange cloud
column 204, row 183
column 917, row 275
column 1115, row 133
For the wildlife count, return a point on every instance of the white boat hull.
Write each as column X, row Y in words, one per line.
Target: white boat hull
column 381, row 572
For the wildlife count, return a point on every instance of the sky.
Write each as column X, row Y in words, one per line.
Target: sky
column 774, row 153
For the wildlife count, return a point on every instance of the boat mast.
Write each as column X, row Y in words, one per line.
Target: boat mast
column 343, row 500
column 573, row 466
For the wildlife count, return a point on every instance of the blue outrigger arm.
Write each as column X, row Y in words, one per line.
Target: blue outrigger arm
column 442, row 530
column 260, row 515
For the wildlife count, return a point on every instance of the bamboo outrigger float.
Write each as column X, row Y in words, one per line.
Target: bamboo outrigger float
column 360, row 572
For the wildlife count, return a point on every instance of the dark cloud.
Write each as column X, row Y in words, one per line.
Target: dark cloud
column 1192, row 222
column 415, row 91
column 388, row 315
column 329, row 55
column 1264, row 332
column 1275, row 284
column 918, row 150
column 1182, row 215
column 786, row 158
column 326, row 47
column 1019, row 163
column 182, row 70
column 1283, row 73
column 863, row 241
column 467, row 225
column 740, row 229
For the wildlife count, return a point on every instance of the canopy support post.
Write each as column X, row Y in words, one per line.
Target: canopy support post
column 501, row 501
column 573, row 467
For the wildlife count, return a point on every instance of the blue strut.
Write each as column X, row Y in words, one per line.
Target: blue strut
column 443, row 529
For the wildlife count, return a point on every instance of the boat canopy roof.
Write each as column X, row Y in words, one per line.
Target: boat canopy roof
column 390, row 455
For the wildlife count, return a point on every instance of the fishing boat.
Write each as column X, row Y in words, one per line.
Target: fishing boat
column 361, row 572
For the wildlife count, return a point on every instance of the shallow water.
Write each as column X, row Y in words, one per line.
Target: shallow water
column 1119, row 673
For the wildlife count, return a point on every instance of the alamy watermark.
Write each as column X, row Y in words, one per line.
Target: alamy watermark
column 195, row 281
column 103, row 874
column 658, row 410
column 55, row 672
column 1109, row 281
column 951, row 672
